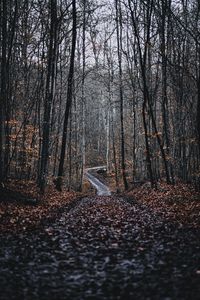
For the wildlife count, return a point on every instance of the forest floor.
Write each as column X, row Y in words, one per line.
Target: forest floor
column 178, row 203
column 18, row 215
column 102, row 247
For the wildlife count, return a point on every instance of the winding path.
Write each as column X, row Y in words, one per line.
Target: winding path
column 102, row 189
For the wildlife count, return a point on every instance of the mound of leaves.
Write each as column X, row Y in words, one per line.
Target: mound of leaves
column 23, row 208
column 180, row 202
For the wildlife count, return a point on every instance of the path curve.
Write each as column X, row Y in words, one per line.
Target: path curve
column 101, row 188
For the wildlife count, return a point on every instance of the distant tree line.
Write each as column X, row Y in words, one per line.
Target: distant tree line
column 87, row 82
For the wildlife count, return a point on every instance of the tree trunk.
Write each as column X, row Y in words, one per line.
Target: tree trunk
column 142, row 60
column 119, row 52
column 198, row 109
column 59, row 181
column 49, row 94
column 83, row 106
column 3, row 96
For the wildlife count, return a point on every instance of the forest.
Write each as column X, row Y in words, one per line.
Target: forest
column 100, row 149
column 105, row 82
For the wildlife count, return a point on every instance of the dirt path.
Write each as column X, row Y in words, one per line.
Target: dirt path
column 103, row 248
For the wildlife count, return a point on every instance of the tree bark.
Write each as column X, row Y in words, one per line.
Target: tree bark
column 3, row 96
column 49, row 94
column 59, row 181
column 119, row 52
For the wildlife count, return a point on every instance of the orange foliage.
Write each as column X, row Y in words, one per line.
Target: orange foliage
column 16, row 216
column 179, row 203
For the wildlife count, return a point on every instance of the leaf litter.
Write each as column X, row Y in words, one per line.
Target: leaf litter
column 102, row 248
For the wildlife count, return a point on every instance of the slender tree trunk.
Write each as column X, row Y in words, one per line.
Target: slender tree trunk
column 198, row 108
column 108, row 138
column 114, row 156
column 58, row 131
column 3, row 95
column 48, row 97
column 70, row 150
column 69, row 100
column 133, row 87
column 119, row 52
column 142, row 61
column 83, row 96
column 166, row 129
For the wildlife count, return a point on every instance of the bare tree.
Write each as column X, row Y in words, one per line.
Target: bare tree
column 49, row 94
column 69, row 100
column 119, row 52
